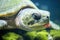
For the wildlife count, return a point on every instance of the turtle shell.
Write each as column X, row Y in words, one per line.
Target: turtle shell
column 11, row 7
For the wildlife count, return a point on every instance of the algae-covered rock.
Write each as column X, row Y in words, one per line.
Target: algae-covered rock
column 31, row 35
column 55, row 34
column 40, row 35
column 12, row 36
column 43, row 35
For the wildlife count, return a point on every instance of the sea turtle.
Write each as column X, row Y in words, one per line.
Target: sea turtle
column 22, row 14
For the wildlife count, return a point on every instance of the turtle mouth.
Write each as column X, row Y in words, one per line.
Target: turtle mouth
column 47, row 25
column 32, row 22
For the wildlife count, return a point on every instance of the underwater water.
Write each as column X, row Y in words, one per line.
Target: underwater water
column 53, row 6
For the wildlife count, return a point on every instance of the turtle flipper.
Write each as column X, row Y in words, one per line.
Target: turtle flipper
column 3, row 23
column 54, row 25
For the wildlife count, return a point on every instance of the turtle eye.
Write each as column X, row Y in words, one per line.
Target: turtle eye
column 36, row 16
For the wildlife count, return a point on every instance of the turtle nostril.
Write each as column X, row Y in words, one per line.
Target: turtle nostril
column 36, row 16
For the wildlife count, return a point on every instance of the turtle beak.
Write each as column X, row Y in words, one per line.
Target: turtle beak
column 47, row 25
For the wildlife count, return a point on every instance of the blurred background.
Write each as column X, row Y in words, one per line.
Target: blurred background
column 50, row 5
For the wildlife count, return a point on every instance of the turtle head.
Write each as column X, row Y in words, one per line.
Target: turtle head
column 32, row 19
